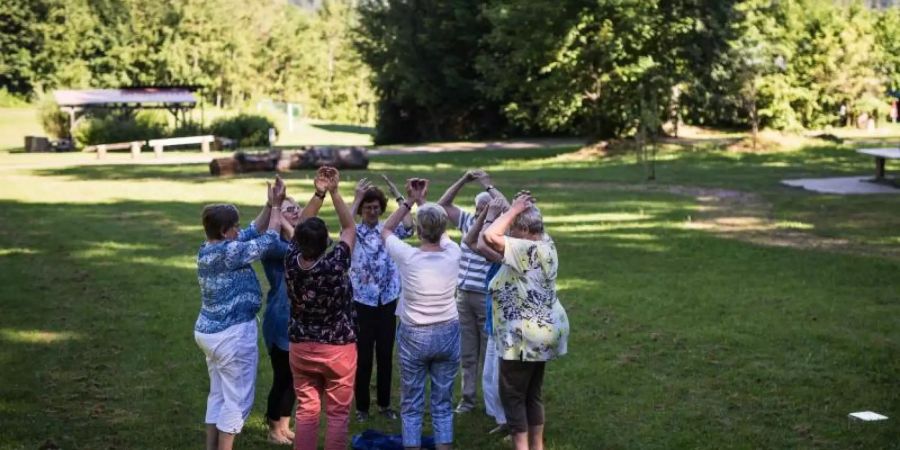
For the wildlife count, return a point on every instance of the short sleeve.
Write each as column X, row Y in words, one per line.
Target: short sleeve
column 398, row 250
column 241, row 253
column 448, row 245
column 466, row 221
column 519, row 254
column 402, row 232
column 341, row 253
column 248, row 233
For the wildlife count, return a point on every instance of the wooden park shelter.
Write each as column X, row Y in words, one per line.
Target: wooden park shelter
column 176, row 99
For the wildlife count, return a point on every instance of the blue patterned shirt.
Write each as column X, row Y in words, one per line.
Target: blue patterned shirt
column 229, row 290
column 373, row 273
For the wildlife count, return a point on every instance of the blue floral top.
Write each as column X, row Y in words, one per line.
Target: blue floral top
column 373, row 273
column 278, row 308
column 229, row 291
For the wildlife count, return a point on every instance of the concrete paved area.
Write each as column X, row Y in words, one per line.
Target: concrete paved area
column 843, row 185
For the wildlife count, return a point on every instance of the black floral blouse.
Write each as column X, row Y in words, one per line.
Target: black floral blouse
column 321, row 298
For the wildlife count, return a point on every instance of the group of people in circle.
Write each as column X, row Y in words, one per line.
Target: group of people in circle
column 486, row 307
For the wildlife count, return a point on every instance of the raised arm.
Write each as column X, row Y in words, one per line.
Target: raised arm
column 473, row 238
column 450, row 194
column 416, row 189
column 261, row 222
column 485, row 181
column 315, row 202
column 361, row 187
column 345, row 217
column 407, row 219
column 493, row 235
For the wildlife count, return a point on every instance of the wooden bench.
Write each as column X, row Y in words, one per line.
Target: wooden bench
column 101, row 149
column 881, row 156
column 159, row 144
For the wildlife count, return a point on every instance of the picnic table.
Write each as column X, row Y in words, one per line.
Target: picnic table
column 134, row 146
column 159, row 144
column 881, row 156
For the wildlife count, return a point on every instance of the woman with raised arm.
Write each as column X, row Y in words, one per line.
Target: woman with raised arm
column 490, row 375
column 428, row 336
column 230, row 296
column 280, row 404
column 322, row 326
column 376, row 287
column 530, row 325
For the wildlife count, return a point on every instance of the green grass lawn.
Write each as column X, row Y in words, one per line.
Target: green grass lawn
column 680, row 338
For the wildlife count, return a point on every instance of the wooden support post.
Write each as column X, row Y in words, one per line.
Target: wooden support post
column 158, row 149
column 101, row 151
column 879, row 168
column 204, row 147
column 135, row 149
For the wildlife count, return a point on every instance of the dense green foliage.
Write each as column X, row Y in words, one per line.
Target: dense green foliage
column 121, row 127
column 247, row 129
column 235, row 50
column 599, row 67
column 468, row 69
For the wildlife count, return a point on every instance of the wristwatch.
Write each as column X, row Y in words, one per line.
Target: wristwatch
column 406, row 204
column 320, row 195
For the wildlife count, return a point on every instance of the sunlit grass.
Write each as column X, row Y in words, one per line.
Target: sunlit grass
column 680, row 338
column 11, row 336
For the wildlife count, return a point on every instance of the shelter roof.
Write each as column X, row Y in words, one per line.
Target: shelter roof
column 126, row 96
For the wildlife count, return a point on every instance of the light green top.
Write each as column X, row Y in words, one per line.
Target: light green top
column 529, row 322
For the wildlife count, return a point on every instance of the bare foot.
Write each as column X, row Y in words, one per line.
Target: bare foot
column 276, row 437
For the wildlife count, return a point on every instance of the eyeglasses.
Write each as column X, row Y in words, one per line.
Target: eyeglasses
column 290, row 209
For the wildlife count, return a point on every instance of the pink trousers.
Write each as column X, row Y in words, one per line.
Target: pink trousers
column 323, row 372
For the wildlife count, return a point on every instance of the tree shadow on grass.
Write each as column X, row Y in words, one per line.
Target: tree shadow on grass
column 99, row 302
column 345, row 128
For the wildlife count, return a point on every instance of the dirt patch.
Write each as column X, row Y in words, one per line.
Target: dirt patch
column 744, row 216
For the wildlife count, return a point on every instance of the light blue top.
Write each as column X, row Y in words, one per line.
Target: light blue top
column 278, row 308
column 229, row 291
column 373, row 273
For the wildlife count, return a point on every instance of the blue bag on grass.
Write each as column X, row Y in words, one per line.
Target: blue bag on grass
column 376, row 440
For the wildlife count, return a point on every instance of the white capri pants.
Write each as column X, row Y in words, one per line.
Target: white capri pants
column 490, row 382
column 232, row 356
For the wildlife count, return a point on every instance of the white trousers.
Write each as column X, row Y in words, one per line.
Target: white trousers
column 490, row 380
column 232, row 356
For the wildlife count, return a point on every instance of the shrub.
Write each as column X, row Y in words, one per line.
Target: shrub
column 8, row 100
column 54, row 121
column 247, row 129
column 121, row 127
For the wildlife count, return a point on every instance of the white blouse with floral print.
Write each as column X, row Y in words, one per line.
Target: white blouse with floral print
column 529, row 322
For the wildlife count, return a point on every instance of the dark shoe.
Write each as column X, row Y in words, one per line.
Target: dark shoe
column 362, row 416
column 388, row 413
column 463, row 408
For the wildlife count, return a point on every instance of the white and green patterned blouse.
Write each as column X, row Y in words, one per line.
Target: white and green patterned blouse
column 529, row 322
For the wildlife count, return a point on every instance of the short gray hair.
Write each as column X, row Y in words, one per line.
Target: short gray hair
column 530, row 221
column 432, row 222
column 482, row 197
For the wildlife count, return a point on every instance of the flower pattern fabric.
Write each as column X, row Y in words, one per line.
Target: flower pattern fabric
column 229, row 290
column 373, row 273
column 321, row 298
column 529, row 322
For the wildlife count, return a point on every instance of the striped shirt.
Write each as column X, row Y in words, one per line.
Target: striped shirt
column 473, row 267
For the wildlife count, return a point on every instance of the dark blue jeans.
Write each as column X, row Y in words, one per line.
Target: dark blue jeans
column 427, row 350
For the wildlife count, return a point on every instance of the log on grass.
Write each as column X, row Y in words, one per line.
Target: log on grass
column 283, row 161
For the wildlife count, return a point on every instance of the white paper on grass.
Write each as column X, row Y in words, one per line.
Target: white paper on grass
column 867, row 416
